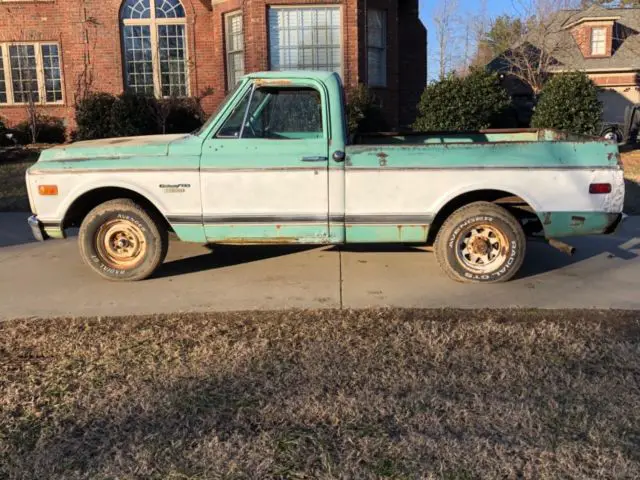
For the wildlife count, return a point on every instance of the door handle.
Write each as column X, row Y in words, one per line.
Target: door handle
column 314, row 159
column 338, row 156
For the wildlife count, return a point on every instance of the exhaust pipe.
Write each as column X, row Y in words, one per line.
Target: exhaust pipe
column 563, row 247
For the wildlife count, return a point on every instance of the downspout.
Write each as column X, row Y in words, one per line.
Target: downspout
column 366, row 41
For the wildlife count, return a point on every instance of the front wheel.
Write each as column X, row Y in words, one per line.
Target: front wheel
column 481, row 243
column 119, row 240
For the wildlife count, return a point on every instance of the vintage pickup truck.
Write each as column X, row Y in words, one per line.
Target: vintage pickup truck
column 276, row 165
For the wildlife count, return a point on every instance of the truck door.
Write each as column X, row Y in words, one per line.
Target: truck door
column 264, row 171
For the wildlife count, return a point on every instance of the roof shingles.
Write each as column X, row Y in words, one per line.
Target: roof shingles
column 560, row 41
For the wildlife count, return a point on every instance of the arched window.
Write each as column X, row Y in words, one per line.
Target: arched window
column 154, row 45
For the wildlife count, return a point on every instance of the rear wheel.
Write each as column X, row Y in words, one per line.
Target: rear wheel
column 613, row 133
column 481, row 243
column 119, row 240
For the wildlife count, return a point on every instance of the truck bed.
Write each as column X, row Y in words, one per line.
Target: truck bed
column 525, row 148
column 481, row 136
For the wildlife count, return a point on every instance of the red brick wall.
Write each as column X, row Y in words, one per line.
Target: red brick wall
column 615, row 80
column 88, row 32
column 89, row 36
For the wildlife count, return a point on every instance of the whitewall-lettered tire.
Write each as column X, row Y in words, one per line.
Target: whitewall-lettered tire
column 120, row 241
column 481, row 243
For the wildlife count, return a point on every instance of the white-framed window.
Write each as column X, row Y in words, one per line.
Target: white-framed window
column 154, row 47
column 234, row 47
column 377, row 48
column 598, row 41
column 30, row 72
column 305, row 38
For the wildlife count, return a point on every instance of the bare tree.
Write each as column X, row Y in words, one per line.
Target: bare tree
column 474, row 28
column 85, row 79
column 542, row 42
column 29, row 93
column 445, row 18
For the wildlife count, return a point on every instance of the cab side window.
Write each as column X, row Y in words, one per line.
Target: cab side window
column 276, row 113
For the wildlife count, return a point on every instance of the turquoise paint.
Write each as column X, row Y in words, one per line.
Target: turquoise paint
column 140, row 162
column 258, row 153
column 313, row 233
column 386, row 233
column 303, row 233
column 190, row 233
column 449, row 138
column 499, row 155
column 568, row 224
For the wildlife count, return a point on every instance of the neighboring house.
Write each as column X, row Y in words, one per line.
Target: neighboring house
column 605, row 44
column 53, row 50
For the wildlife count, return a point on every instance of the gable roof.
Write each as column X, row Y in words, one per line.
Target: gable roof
column 560, row 40
column 593, row 12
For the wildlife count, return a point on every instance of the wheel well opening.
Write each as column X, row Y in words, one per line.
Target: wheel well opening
column 516, row 205
column 86, row 202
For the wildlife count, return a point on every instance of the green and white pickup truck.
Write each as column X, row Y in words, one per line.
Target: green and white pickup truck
column 276, row 165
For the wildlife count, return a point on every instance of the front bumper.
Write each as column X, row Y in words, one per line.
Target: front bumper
column 37, row 229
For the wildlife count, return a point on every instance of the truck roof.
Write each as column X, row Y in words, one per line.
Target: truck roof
column 314, row 74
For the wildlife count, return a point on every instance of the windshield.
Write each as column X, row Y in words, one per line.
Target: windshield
column 213, row 116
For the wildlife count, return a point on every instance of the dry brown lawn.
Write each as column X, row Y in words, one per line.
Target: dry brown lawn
column 309, row 394
column 631, row 160
column 14, row 163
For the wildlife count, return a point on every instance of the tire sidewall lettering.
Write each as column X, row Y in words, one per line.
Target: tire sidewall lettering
column 93, row 254
column 505, row 268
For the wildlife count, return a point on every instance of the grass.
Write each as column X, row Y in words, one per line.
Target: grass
column 14, row 163
column 309, row 394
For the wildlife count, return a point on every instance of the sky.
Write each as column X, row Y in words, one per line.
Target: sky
column 495, row 8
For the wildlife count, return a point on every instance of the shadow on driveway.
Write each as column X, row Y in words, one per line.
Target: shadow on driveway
column 14, row 229
column 541, row 258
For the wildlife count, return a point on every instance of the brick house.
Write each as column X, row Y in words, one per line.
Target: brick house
column 52, row 50
column 605, row 44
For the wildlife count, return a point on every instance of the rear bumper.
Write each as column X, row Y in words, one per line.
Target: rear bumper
column 571, row 224
column 37, row 229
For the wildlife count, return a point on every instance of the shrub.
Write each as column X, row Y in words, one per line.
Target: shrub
column 93, row 116
column 133, row 115
column 474, row 102
column 48, row 130
column 102, row 115
column 363, row 111
column 4, row 130
column 178, row 115
column 569, row 102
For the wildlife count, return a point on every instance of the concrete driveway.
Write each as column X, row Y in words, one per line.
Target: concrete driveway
column 49, row 279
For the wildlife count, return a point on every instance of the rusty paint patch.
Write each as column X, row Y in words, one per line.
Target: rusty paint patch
column 272, row 81
column 617, row 157
column 258, row 241
column 577, row 221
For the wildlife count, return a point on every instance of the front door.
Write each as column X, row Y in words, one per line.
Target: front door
column 264, row 171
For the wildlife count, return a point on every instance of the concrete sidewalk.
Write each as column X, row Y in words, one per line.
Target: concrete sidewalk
column 49, row 279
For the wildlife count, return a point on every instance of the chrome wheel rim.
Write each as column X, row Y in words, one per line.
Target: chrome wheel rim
column 611, row 136
column 121, row 244
column 482, row 248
